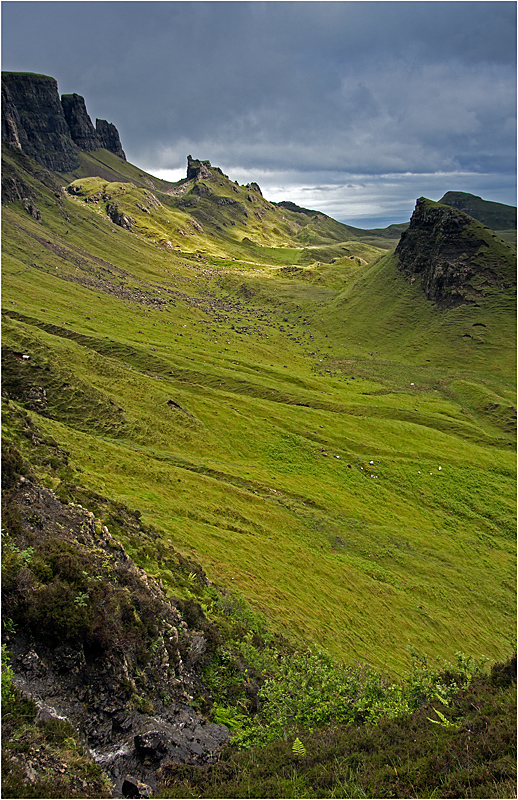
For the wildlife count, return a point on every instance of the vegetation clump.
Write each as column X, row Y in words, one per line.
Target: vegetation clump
column 471, row 753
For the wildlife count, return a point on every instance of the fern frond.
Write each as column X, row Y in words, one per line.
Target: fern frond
column 298, row 748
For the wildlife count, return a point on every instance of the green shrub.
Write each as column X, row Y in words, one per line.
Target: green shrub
column 403, row 756
column 8, row 689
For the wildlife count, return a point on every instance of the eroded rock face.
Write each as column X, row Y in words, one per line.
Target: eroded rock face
column 452, row 255
column 33, row 120
column 51, row 130
column 80, row 125
column 118, row 217
column 197, row 169
column 201, row 170
column 108, row 136
column 131, row 708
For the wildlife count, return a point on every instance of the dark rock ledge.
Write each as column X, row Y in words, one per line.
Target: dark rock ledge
column 133, row 719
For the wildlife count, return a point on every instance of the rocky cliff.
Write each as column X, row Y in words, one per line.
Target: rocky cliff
column 109, row 137
column 51, row 130
column 200, row 170
column 79, row 123
column 33, row 120
column 457, row 258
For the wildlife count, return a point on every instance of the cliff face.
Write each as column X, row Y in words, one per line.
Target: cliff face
column 33, row 120
column 457, row 258
column 80, row 125
column 50, row 130
column 109, row 137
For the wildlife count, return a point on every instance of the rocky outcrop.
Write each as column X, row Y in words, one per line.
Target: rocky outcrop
column 254, row 187
column 109, row 137
column 197, row 169
column 118, row 217
column 201, row 170
column 124, row 669
column 456, row 258
column 50, row 130
column 33, row 120
column 80, row 125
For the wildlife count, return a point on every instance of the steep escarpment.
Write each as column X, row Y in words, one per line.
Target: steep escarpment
column 458, row 259
column 33, row 120
column 51, row 130
column 83, row 133
column 81, row 129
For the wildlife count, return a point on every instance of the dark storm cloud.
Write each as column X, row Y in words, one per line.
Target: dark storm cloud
column 302, row 93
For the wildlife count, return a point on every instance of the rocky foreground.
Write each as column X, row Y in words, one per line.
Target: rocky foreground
column 129, row 699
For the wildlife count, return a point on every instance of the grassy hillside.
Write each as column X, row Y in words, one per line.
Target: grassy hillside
column 280, row 404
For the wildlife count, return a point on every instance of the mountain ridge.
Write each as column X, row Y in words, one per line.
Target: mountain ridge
column 51, row 130
column 58, row 132
column 452, row 253
column 497, row 216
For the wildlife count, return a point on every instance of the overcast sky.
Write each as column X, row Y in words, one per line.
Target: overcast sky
column 352, row 108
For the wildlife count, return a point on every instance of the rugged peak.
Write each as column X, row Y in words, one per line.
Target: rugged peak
column 109, row 137
column 50, row 130
column 456, row 256
column 254, row 187
column 197, row 169
column 80, row 125
column 33, row 120
column 200, row 170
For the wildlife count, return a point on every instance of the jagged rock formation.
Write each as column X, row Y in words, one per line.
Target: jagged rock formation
column 80, row 125
column 50, row 130
column 33, row 120
column 200, row 170
column 457, row 258
column 254, row 187
column 109, row 137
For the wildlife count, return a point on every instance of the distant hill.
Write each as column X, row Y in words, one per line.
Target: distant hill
column 458, row 259
column 497, row 216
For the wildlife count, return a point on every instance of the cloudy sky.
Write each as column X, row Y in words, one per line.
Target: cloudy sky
column 352, row 108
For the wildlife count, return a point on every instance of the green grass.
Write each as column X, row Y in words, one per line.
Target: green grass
column 238, row 406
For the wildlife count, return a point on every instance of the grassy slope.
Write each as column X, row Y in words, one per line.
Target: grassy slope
column 252, row 403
